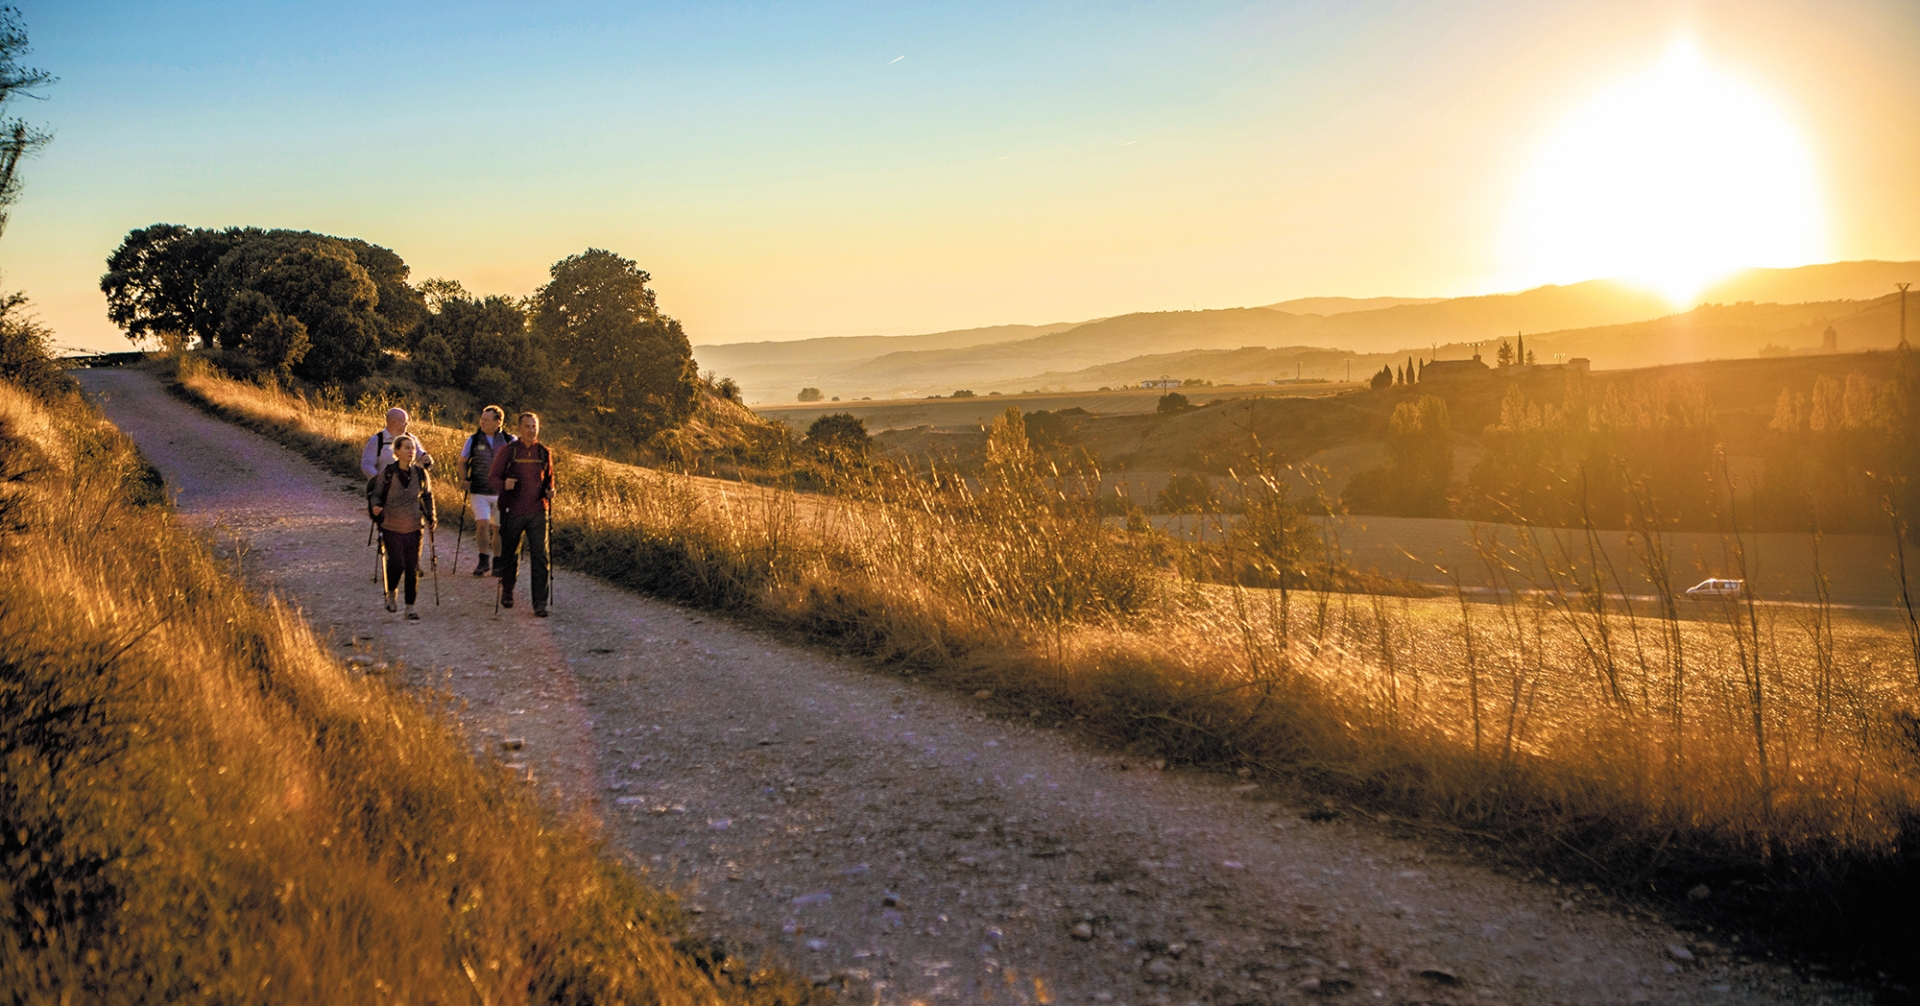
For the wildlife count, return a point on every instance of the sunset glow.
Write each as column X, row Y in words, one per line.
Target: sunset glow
column 1670, row 180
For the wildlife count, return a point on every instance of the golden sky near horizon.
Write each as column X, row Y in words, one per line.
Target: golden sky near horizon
column 847, row 170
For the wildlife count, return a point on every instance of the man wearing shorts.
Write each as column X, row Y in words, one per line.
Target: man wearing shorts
column 476, row 465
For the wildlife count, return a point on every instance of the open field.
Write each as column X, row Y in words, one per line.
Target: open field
column 1769, row 748
column 972, row 413
column 203, row 803
column 1858, row 571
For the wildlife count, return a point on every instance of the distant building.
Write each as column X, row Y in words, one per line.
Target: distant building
column 1455, row 370
column 1162, row 384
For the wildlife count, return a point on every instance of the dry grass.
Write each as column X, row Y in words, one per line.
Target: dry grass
column 1772, row 745
column 201, row 803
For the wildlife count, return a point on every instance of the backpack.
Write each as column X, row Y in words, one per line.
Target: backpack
column 380, row 447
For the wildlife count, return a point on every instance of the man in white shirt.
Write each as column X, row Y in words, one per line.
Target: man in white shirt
column 378, row 454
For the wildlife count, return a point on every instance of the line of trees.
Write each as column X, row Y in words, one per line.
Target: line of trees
column 331, row 311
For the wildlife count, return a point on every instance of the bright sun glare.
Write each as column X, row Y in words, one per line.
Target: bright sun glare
column 1669, row 180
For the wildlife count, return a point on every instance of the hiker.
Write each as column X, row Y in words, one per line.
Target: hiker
column 523, row 476
column 476, row 466
column 378, row 454
column 400, row 499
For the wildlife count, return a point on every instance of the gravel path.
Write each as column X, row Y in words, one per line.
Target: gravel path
column 904, row 843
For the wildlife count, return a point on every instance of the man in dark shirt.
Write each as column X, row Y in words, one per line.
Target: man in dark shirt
column 523, row 476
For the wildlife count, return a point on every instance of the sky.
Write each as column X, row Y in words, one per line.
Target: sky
column 788, row 170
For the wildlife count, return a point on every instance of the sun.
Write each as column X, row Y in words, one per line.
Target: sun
column 1669, row 180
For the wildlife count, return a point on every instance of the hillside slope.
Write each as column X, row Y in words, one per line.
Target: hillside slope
column 204, row 803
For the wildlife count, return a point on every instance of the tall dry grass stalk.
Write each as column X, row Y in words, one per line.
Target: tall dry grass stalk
column 200, row 803
column 1551, row 711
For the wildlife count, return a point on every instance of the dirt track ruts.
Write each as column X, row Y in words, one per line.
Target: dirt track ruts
column 899, row 840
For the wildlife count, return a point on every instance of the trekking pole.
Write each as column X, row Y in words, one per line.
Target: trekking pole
column 547, row 531
column 461, row 529
column 380, row 558
column 497, row 588
column 433, row 562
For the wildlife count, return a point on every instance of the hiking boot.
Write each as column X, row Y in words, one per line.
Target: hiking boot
column 484, row 568
column 412, row 615
column 539, row 612
column 391, row 606
column 506, row 597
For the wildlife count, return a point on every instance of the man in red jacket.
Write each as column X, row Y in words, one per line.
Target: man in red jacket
column 523, row 476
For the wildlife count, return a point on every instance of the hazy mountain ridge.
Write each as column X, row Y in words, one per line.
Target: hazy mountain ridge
column 837, row 348
column 1604, row 320
column 1712, row 331
column 1344, row 305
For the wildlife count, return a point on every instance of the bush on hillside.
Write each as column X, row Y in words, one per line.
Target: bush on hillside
column 26, row 350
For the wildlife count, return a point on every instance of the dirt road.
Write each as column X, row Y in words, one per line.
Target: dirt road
column 899, row 841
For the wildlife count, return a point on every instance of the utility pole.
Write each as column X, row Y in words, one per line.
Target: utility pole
column 1903, row 313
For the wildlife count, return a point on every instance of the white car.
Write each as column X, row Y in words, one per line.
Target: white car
column 1716, row 588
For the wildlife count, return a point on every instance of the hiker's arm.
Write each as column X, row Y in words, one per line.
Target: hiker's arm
column 376, row 496
column 370, row 457
column 425, row 460
column 427, row 511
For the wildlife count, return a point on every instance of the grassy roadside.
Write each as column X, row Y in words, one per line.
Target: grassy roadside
column 202, row 803
column 1770, row 756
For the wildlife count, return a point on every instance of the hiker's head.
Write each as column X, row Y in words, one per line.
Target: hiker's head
column 404, row 448
column 490, row 419
column 530, row 427
column 396, row 421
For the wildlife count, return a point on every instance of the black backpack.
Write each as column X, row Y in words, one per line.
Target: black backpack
column 380, row 447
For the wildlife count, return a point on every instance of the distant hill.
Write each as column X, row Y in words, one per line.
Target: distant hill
column 937, row 371
column 1566, row 319
column 1708, row 332
column 1833, row 281
column 803, row 362
column 1344, row 305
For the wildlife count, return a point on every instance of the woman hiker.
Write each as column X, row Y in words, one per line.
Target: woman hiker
column 476, row 466
column 401, row 501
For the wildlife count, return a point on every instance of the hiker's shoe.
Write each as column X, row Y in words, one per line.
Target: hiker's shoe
column 391, row 606
column 539, row 612
column 412, row 615
column 506, row 597
column 482, row 569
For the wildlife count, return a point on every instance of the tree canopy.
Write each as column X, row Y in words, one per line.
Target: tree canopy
column 481, row 344
column 17, row 138
column 181, row 285
column 606, row 335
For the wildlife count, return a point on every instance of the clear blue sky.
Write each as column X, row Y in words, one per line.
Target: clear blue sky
column 782, row 172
